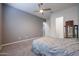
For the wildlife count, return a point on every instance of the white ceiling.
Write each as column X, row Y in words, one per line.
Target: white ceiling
column 31, row 7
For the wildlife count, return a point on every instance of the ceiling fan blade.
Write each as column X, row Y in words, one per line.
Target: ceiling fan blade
column 47, row 9
column 35, row 11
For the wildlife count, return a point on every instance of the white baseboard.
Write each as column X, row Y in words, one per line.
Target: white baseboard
column 17, row 42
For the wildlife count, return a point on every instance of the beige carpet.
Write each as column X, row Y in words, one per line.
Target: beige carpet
column 18, row 49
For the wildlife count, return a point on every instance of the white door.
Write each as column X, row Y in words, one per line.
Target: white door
column 59, row 27
column 45, row 29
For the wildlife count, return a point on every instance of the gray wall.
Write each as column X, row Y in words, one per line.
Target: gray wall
column 0, row 23
column 18, row 25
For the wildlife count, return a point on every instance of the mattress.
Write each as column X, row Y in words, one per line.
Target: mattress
column 49, row 46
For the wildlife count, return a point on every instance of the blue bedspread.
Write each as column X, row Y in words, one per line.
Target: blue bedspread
column 55, row 47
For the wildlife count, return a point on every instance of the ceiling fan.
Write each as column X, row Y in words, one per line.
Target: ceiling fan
column 41, row 9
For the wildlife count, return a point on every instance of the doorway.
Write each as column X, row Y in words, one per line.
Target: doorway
column 45, row 29
column 60, row 27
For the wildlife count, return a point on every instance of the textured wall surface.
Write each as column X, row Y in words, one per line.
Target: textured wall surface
column 18, row 25
column 0, row 24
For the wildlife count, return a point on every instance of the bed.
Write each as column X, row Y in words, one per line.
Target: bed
column 48, row 46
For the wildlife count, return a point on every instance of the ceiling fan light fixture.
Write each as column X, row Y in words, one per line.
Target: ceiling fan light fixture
column 41, row 11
